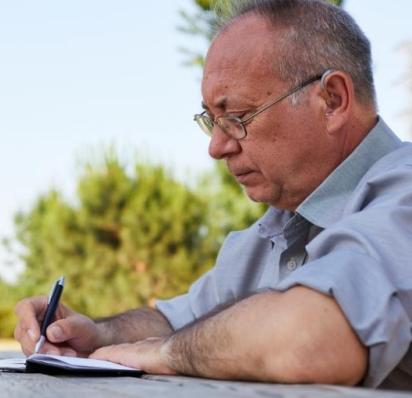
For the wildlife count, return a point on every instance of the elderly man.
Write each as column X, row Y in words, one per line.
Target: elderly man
column 320, row 288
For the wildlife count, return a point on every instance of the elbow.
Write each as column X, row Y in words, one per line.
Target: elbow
column 315, row 343
column 310, row 363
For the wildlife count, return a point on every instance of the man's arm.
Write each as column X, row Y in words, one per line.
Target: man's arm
column 133, row 325
column 76, row 334
column 293, row 337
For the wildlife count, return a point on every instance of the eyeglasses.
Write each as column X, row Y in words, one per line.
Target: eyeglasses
column 235, row 127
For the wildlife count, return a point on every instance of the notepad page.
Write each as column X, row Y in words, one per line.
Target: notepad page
column 13, row 363
column 79, row 363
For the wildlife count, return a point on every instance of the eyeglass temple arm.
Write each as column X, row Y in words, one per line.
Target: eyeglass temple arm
column 312, row 79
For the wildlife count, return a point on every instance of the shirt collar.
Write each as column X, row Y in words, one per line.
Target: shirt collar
column 273, row 222
column 326, row 203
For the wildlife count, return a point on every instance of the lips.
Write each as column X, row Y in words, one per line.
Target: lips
column 243, row 177
column 238, row 171
column 241, row 173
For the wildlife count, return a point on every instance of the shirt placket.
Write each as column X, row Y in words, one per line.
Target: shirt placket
column 294, row 240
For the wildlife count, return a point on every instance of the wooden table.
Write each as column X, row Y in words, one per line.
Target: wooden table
column 24, row 385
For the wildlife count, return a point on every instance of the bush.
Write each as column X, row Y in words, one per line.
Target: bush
column 128, row 239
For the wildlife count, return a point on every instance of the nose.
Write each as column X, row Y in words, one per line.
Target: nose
column 222, row 146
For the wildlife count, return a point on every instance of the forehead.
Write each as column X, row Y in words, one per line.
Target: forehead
column 240, row 60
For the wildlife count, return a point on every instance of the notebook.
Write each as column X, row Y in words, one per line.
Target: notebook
column 56, row 364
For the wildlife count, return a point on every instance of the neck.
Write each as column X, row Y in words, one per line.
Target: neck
column 357, row 128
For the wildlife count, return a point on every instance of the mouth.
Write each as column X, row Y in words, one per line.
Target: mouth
column 243, row 178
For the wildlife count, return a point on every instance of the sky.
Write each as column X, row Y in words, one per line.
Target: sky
column 79, row 76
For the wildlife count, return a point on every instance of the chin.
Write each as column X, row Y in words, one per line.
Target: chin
column 261, row 195
column 270, row 195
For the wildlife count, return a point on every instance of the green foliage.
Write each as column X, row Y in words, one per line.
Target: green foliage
column 129, row 237
column 204, row 4
column 7, row 317
column 336, row 2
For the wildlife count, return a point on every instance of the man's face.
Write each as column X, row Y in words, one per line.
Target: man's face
column 286, row 153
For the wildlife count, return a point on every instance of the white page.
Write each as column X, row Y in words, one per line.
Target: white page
column 13, row 363
column 78, row 363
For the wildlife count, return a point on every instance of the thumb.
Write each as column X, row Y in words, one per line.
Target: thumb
column 63, row 330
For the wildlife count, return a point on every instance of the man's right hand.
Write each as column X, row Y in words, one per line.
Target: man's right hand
column 70, row 334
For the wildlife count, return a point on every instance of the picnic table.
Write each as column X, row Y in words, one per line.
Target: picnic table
column 23, row 385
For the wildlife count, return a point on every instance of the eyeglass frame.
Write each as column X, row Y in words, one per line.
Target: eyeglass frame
column 243, row 121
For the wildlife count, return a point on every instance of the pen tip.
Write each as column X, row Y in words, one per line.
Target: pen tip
column 39, row 344
column 61, row 281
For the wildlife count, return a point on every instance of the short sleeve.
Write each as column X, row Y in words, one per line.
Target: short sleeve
column 184, row 309
column 364, row 261
column 234, row 276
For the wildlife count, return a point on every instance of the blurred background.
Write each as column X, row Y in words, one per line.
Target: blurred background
column 104, row 176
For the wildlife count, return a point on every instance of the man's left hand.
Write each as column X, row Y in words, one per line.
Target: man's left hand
column 149, row 355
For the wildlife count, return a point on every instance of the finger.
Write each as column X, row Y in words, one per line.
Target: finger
column 144, row 355
column 59, row 331
column 113, row 353
column 28, row 346
column 28, row 343
column 50, row 349
column 66, row 329
column 32, row 305
column 29, row 311
column 77, row 331
column 53, row 349
column 26, row 339
column 69, row 352
column 18, row 332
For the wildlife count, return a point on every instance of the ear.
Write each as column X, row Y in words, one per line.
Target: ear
column 338, row 95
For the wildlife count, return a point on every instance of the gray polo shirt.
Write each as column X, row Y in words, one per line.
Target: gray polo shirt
column 350, row 239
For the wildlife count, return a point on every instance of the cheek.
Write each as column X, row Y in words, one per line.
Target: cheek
column 270, row 163
column 279, row 146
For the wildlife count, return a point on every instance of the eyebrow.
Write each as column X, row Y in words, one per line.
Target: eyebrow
column 221, row 104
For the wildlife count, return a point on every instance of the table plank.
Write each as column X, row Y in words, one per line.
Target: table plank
column 18, row 385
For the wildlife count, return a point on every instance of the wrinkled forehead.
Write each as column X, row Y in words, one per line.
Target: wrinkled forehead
column 241, row 57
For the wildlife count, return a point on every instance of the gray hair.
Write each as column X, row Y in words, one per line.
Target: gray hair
column 316, row 36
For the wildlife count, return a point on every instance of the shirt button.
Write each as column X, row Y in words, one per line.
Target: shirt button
column 291, row 264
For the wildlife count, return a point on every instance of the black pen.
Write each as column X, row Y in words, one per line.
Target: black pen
column 52, row 304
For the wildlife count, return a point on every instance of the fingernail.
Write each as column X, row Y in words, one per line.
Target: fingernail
column 52, row 352
column 31, row 334
column 56, row 333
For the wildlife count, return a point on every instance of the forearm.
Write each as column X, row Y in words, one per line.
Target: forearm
column 297, row 336
column 225, row 345
column 132, row 326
